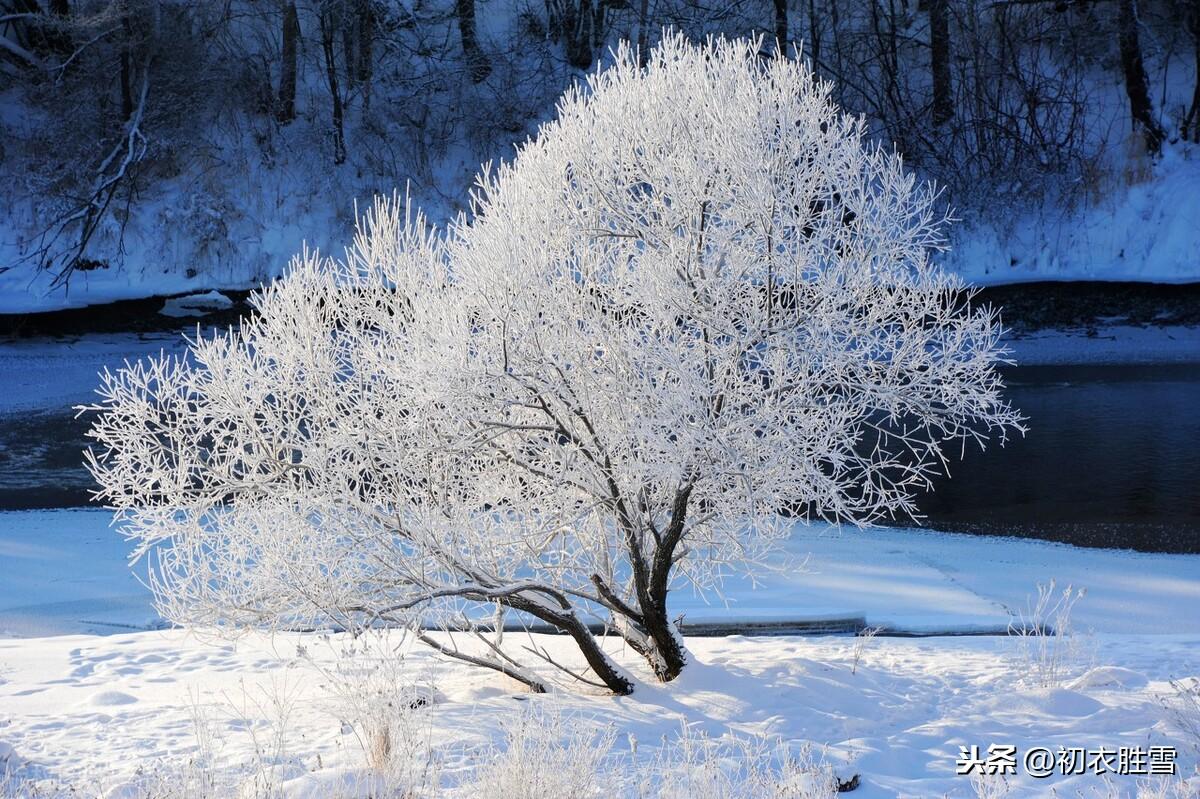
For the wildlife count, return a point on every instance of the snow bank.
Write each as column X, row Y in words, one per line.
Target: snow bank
column 196, row 304
column 1117, row 344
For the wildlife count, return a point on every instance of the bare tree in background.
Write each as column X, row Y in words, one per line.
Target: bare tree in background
column 995, row 98
column 581, row 26
column 643, row 40
column 477, row 62
column 1141, row 107
column 286, row 111
column 1191, row 122
column 364, row 67
column 126, row 79
column 939, row 61
column 329, row 19
column 781, row 24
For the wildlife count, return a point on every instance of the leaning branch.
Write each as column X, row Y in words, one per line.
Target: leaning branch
column 535, row 685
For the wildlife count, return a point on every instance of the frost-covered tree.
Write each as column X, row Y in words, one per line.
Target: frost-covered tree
column 696, row 306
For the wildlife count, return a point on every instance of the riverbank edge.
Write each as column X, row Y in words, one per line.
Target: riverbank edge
column 1081, row 306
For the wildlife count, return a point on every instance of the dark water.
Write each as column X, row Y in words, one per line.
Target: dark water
column 1112, row 458
column 41, row 460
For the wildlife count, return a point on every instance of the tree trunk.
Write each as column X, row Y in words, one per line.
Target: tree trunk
column 1192, row 120
column 349, row 29
column 566, row 621
column 667, row 641
column 663, row 649
column 600, row 663
column 814, row 38
column 781, row 25
column 643, row 40
column 669, row 655
column 579, row 25
column 366, row 41
column 287, row 71
column 1141, row 108
column 477, row 62
column 126, row 69
column 579, row 43
column 335, row 94
column 939, row 48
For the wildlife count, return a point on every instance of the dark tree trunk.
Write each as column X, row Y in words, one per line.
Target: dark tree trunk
column 939, row 48
column 1192, row 121
column 669, row 656
column 335, row 94
column 366, row 42
column 814, row 38
column 126, row 91
column 781, row 25
column 287, row 71
column 666, row 638
column 643, row 42
column 884, row 26
column 349, row 29
column 565, row 620
column 126, row 70
column 1141, row 108
column 477, row 62
column 651, row 572
column 579, row 25
column 600, row 664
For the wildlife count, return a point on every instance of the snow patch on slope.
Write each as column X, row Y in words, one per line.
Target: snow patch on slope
column 1139, row 230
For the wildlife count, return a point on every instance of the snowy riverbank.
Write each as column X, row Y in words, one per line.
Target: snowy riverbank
column 54, row 373
column 65, row 572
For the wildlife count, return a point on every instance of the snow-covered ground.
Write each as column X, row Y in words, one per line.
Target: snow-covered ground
column 96, row 709
column 1114, row 344
column 54, row 374
column 65, row 571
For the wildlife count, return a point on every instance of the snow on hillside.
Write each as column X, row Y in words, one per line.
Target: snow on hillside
column 1143, row 230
